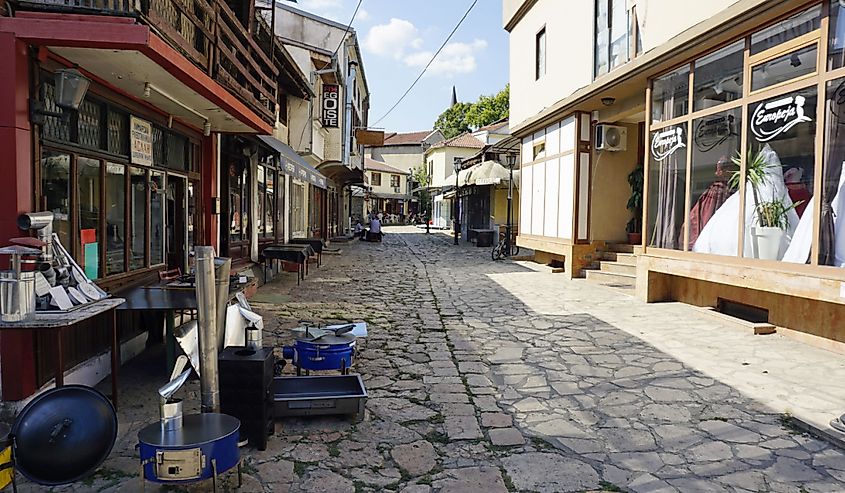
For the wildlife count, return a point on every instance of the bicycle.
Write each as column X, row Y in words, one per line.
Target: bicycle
column 500, row 250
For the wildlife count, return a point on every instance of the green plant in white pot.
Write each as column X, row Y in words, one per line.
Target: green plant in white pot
column 771, row 216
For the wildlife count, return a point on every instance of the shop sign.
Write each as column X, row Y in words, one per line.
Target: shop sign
column 330, row 105
column 488, row 181
column 303, row 175
column 712, row 131
column 666, row 142
column 141, row 141
column 776, row 117
column 290, row 168
column 321, row 182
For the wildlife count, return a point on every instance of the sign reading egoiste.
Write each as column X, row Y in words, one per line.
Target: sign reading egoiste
column 330, row 105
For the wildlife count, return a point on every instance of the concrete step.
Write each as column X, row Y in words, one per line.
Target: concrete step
column 612, row 279
column 618, row 268
column 622, row 258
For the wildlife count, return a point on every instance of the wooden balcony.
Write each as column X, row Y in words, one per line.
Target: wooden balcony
column 207, row 32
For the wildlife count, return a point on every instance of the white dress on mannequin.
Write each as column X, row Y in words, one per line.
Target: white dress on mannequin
column 719, row 234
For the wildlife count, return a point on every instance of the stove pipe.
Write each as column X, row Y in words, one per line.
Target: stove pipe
column 207, row 327
column 42, row 224
column 222, row 268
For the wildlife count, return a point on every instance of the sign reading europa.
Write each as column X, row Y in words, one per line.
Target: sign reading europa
column 330, row 105
column 666, row 142
column 776, row 117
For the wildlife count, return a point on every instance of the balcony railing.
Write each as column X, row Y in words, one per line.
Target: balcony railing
column 207, row 32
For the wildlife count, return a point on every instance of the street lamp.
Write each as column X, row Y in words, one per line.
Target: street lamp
column 511, row 159
column 458, row 161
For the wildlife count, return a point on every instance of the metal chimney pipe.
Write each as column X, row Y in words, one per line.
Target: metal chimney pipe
column 207, row 327
column 222, row 268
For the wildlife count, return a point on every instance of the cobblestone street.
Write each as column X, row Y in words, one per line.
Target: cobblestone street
column 473, row 390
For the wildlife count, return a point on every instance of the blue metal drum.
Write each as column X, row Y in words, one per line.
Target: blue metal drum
column 205, row 446
column 330, row 352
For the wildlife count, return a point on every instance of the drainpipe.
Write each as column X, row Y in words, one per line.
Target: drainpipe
column 347, row 120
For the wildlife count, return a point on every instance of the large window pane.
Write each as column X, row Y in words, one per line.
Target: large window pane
column 784, row 68
column 670, row 95
column 89, row 216
column 619, row 43
column 779, row 177
column 138, row 223
column 55, row 188
column 667, row 184
column 832, row 206
column 270, row 208
column 714, row 209
column 785, row 30
column 718, row 77
column 115, row 218
column 601, row 51
column 261, row 200
column 836, row 36
column 157, row 232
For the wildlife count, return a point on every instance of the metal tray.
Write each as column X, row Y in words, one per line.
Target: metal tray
column 319, row 395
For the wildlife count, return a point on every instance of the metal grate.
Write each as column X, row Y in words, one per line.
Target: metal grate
column 177, row 151
column 89, row 121
column 158, row 146
column 54, row 128
column 118, row 133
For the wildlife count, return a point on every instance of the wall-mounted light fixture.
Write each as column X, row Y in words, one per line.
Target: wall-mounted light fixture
column 608, row 101
column 70, row 89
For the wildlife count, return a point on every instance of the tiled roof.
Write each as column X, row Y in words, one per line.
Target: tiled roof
column 495, row 125
column 397, row 139
column 373, row 165
column 465, row 140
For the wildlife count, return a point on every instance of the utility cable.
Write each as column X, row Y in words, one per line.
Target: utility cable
column 428, row 64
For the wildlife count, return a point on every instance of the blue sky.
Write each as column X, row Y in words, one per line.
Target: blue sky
column 398, row 38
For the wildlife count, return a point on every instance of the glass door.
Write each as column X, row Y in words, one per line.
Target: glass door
column 176, row 226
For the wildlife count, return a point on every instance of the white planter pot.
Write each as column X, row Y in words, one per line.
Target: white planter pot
column 767, row 242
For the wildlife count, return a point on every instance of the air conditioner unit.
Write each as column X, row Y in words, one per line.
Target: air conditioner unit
column 611, row 138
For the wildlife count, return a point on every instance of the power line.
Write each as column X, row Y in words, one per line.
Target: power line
column 428, row 64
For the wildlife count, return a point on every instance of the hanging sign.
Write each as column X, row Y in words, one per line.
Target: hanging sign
column 330, row 105
column 141, row 141
column 666, row 142
column 773, row 118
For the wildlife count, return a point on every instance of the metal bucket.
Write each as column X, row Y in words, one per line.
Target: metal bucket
column 17, row 295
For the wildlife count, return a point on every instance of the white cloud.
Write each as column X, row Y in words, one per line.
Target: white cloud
column 455, row 59
column 391, row 39
column 362, row 15
column 323, row 6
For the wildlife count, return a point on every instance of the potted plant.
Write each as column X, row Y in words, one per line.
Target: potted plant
column 635, row 205
column 772, row 219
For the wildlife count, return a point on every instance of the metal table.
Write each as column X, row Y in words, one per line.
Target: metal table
column 316, row 243
column 297, row 254
column 58, row 321
column 160, row 297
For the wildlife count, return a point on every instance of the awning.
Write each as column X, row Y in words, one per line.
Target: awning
column 398, row 196
column 342, row 175
column 489, row 173
column 293, row 165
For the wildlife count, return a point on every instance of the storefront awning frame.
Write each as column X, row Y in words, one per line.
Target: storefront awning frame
column 293, row 165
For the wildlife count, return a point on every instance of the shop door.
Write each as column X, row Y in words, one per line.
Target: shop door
column 176, row 226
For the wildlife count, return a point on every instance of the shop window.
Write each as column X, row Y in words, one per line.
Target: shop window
column 836, row 36
column 779, row 170
column 670, row 95
column 786, row 30
column 785, row 67
column 261, row 201
column 89, row 215
column 115, row 209
column 718, row 77
column 157, row 231
column 667, row 184
column 832, row 223
column 394, row 181
column 538, row 151
column 612, row 43
column 270, row 209
column 89, row 119
column 376, row 179
column 297, row 209
column 138, row 217
column 54, row 128
column 238, row 202
column 540, row 54
column 715, row 156
column 55, row 192
column 118, row 133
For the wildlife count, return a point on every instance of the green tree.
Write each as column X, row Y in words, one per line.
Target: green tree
column 463, row 117
column 452, row 122
column 421, row 180
column 489, row 109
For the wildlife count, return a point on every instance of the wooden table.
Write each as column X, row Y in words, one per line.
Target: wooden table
column 316, row 243
column 58, row 321
column 297, row 254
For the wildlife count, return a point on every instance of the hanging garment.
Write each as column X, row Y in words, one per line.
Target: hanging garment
column 705, row 207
